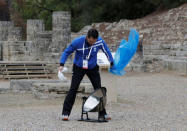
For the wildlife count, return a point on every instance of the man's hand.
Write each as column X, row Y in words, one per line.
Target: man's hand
column 60, row 68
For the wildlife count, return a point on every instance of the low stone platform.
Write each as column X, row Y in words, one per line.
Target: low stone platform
column 44, row 89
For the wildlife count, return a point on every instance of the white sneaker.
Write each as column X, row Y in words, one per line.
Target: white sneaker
column 65, row 117
column 107, row 117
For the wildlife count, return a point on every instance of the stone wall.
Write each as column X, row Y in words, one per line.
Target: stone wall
column 15, row 34
column 33, row 27
column 61, row 30
column 17, row 51
column 5, row 26
column 41, row 45
column 164, row 38
column 1, row 51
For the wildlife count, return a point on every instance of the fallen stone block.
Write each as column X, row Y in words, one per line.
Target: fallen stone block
column 51, row 87
column 46, row 90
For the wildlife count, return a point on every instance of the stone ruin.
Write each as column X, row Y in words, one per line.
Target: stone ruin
column 44, row 89
column 163, row 42
column 40, row 45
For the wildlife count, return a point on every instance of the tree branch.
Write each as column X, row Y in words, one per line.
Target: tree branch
column 38, row 4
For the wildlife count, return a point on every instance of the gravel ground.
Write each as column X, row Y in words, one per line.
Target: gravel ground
column 146, row 102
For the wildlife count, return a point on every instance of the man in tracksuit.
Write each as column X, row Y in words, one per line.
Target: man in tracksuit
column 85, row 62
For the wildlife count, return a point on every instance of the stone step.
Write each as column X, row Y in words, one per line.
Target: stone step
column 183, row 58
column 156, row 52
column 151, row 57
column 22, row 68
column 17, row 46
column 160, row 45
column 48, row 88
column 19, row 53
column 25, row 76
column 179, row 66
column 181, row 53
column 163, row 38
column 25, row 72
column 4, row 90
column 23, row 62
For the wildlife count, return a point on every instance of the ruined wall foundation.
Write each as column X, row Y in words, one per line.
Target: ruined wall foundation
column 41, row 45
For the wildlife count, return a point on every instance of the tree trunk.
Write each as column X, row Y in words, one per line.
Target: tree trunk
column 4, row 11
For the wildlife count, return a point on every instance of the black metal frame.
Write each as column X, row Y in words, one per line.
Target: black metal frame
column 100, row 106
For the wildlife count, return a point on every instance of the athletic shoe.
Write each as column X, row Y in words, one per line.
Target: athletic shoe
column 65, row 117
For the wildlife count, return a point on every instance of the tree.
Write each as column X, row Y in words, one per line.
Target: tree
column 38, row 9
column 4, row 11
column 166, row 4
column 85, row 12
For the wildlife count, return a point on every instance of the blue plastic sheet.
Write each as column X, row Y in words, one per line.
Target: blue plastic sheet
column 124, row 53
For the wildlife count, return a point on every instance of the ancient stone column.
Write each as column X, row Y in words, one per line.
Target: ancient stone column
column 34, row 26
column 15, row 34
column 61, row 30
column 4, row 27
column 1, row 51
column 5, row 51
column 43, row 45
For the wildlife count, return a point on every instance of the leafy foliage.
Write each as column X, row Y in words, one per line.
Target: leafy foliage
column 4, row 11
column 85, row 12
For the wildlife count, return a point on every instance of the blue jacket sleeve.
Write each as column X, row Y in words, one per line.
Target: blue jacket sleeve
column 70, row 49
column 107, row 52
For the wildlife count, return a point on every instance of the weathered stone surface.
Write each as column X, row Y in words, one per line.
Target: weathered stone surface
column 17, row 51
column 41, row 45
column 34, row 26
column 164, row 35
column 4, row 90
column 51, row 87
column 1, row 51
column 47, row 88
column 61, row 30
column 21, row 85
column 138, row 68
column 27, row 85
column 5, row 26
column 15, row 34
column 179, row 66
column 58, row 90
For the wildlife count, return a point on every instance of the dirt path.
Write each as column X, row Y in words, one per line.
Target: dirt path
column 145, row 102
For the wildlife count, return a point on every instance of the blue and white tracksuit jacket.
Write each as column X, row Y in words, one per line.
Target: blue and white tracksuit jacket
column 84, row 50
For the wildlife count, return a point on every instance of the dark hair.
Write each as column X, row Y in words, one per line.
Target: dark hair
column 93, row 33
